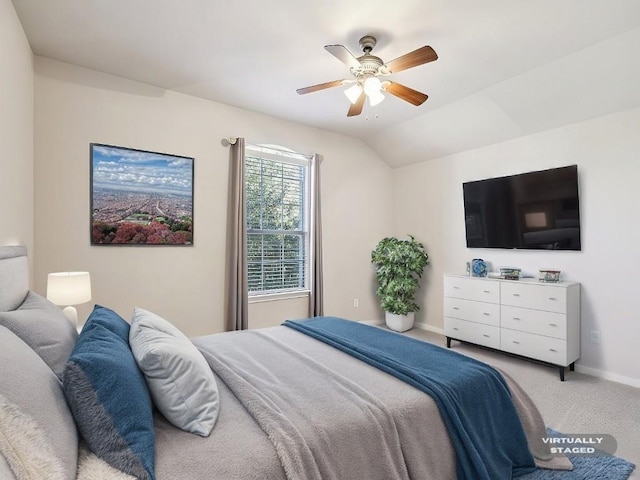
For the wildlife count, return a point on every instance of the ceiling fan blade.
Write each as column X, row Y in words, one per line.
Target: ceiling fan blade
column 405, row 93
column 342, row 54
column 356, row 108
column 420, row 56
column 320, row 86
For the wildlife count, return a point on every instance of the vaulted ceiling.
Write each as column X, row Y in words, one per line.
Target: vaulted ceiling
column 506, row 68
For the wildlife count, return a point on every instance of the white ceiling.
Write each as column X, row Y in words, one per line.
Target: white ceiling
column 506, row 67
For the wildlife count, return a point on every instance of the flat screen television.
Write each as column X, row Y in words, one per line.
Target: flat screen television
column 535, row 210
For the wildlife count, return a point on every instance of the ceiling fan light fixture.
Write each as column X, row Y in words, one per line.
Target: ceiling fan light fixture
column 353, row 93
column 375, row 98
column 372, row 85
column 366, row 70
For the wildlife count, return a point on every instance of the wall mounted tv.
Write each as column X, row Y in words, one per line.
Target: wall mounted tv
column 535, row 210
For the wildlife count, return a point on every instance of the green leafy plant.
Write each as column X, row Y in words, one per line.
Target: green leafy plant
column 399, row 266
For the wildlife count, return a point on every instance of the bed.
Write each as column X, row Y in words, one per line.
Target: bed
column 277, row 403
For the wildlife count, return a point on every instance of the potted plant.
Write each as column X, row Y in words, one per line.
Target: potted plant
column 399, row 266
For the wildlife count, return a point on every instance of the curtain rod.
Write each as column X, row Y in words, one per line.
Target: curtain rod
column 226, row 141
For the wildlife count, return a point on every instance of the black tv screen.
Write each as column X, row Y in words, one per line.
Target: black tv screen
column 536, row 210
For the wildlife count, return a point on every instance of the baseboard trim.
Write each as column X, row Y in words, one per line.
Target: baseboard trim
column 420, row 325
column 429, row 328
column 372, row 322
column 614, row 377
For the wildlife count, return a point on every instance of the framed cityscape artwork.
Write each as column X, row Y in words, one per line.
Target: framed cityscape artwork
column 140, row 197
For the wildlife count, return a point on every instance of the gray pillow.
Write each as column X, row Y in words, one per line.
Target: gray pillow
column 43, row 326
column 14, row 281
column 34, row 412
column 182, row 385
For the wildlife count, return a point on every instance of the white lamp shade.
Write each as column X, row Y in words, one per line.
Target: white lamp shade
column 69, row 288
column 372, row 85
column 353, row 93
column 375, row 98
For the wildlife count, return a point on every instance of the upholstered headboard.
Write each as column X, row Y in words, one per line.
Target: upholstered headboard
column 14, row 277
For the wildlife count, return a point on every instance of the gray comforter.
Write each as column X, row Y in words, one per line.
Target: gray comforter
column 295, row 408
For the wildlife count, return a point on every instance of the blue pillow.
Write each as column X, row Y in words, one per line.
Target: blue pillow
column 110, row 320
column 108, row 396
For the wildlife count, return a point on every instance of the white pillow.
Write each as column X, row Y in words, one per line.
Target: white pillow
column 180, row 381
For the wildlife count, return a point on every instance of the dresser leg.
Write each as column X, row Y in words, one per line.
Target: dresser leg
column 561, row 374
column 572, row 367
column 448, row 342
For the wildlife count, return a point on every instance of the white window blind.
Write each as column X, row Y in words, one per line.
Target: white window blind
column 277, row 211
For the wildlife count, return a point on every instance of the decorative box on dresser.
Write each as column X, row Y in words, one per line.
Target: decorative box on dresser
column 528, row 318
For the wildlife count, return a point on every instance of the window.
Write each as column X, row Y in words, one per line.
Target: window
column 277, row 213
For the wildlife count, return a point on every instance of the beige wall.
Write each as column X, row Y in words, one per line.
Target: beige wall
column 16, row 132
column 75, row 107
column 606, row 150
column 269, row 313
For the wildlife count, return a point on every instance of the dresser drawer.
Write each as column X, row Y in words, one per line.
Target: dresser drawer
column 532, row 295
column 549, row 324
column 550, row 350
column 486, row 335
column 479, row 312
column 472, row 289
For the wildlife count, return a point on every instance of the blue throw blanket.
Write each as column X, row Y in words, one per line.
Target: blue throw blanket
column 473, row 398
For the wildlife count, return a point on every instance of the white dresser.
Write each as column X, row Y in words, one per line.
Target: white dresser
column 524, row 317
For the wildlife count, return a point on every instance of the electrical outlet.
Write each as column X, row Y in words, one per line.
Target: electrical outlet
column 595, row 336
column 356, row 302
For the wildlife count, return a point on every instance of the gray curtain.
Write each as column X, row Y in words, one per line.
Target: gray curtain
column 316, row 298
column 236, row 295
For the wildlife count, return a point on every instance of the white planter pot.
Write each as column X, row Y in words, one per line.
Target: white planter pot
column 399, row 323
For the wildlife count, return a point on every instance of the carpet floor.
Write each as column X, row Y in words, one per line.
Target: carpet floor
column 581, row 404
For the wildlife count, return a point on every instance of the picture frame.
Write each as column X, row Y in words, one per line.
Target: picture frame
column 140, row 197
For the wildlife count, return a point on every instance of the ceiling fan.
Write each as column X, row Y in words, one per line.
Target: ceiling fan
column 367, row 69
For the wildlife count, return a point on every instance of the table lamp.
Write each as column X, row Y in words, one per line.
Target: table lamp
column 69, row 289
